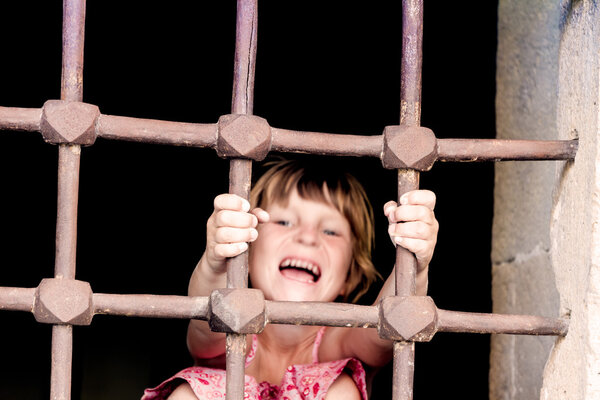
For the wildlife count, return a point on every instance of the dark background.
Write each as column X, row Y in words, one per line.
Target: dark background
column 142, row 208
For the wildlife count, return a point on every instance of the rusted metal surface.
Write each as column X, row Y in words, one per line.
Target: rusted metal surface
column 455, row 321
column 412, row 318
column 17, row 299
column 407, row 146
column 157, row 132
column 333, row 144
column 403, row 369
column 237, row 311
column 242, row 101
column 410, row 115
column 62, row 362
column 69, row 122
column 240, row 175
column 505, row 150
column 63, row 301
column 20, row 119
column 406, row 263
column 325, row 314
column 412, row 61
column 66, row 218
column 72, row 50
column 151, row 306
column 243, row 136
column 291, row 141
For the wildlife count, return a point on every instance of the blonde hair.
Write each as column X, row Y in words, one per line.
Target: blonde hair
column 344, row 193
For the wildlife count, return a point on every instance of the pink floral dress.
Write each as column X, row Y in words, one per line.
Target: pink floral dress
column 300, row 382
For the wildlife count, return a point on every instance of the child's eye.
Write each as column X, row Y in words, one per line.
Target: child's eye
column 283, row 222
column 330, row 232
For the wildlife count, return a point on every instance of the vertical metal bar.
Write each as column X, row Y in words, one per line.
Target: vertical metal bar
column 66, row 215
column 245, row 57
column 68, row 185
column 410, row 114
column 62, row 355
column 240, row 174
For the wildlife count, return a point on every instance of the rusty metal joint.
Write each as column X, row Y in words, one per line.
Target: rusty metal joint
column 69, row 122
column 239, row 311
column 410, row 147
column 243, row 136
column 410, row 318
column 63, row 301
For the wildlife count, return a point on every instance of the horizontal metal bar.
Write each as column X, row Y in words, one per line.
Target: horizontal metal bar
column 322, row 314
column 154, row 306
column 295, row 313
column 20, row 119
column 156, row 131
column 505, row 150
column 17, row 299
column 286, row 140
column 457, row 321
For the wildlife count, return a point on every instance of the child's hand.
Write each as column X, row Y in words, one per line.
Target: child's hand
column 229, row 229
column 413, row 224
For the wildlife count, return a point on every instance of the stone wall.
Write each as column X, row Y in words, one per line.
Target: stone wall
column 545, row 243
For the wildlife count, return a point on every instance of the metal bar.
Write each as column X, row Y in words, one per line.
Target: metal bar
column 66, row 218
column 153, row 306
column 68, row 184
column 17, row 299
column 286, row 140
column 410, row 114
column 20, row 119
column 62, row 356
column 157, row 132
column 322, row 314
column 240, row 174
column 406, row 263
column 505, row 150
column 245, row 57
column 456, row 321
column 334, row 144
column 72, row 47
column 403, row 370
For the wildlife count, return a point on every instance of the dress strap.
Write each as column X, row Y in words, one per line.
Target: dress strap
column 252, row 353
column 315, row 350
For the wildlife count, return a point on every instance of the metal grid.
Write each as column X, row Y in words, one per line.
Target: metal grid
column 405, row 318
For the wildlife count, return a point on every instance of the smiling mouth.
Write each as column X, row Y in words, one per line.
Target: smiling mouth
column 300, row 270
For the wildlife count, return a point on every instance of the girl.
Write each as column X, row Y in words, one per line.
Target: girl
column 311, row 235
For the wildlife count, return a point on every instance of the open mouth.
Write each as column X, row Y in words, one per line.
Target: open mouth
column 300, row 270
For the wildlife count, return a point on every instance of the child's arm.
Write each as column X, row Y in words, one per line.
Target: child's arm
column 228, row 231
column 414, row 227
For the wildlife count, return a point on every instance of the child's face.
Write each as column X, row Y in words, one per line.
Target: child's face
column 303, row 253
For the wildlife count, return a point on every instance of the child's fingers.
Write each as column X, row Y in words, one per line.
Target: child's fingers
column 419, row 197
column 422, row 249
column 412, row 213
column 227, row 201
column 261, row 215
column 413, row 230
column 235, row 219
column 227, row 234
column 227, row 250
column 388, row 210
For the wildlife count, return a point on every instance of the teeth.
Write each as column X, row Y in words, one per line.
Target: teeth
column 307, row 265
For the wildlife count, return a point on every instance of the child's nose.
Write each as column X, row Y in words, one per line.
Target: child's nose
column 307, row 236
